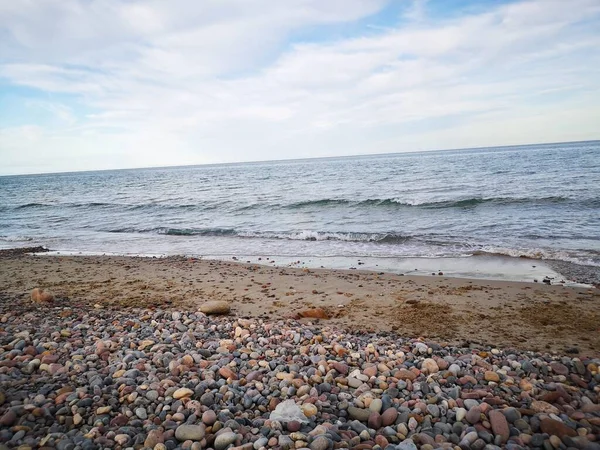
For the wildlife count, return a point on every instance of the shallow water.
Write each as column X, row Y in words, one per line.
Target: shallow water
column 542, row 202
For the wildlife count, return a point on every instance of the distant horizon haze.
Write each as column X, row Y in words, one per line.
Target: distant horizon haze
column 292, row 159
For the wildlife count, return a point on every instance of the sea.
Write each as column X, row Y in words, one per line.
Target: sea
column 517, row 213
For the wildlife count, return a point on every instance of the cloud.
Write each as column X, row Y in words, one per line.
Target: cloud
column 150, row 83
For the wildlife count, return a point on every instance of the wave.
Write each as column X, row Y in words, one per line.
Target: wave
column 459, row 203
column 586, row 258
column 318, row 203
column 178, row 231
column 16, row 238
column 296, row 236
column 416, row 245
column 103, row 205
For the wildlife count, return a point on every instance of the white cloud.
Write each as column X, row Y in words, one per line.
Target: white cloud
column 193, row 82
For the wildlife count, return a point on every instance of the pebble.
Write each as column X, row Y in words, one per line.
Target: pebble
column 182, row 379
column 224, row 440
column 189, row 432
column 182, row 392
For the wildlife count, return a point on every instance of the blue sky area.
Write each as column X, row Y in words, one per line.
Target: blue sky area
column 116, row 84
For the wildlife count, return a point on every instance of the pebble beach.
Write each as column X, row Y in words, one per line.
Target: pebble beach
column 93, row 378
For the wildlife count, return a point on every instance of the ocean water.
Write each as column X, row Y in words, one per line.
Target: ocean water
column 541, row 202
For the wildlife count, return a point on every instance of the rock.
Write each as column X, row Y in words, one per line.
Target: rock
column 474, row 415
column 215, row 307
column 103, row 410
column 189, row 432
column 556, row 428
column 359, row 413
column 285, row 442
column 429, row 366
column 141, row 413
column 319, row 443
column 543, row 407
column 313, row 313
column 8, row 419
column 404, row 374
column 182, row 392
column 309, row 410
column 227, row 373
column 559, row 368
column 154, row 437
column 512, row 414
column 376, row 405
column 340, row 367
column 499, row 425
column 39, row 295
column 224, row 440
column 389, row 416
column 209, row 417
column 407, row 444
column 121, row 439
column 491, row 376
column 293, row 426
column 374, row 421
column 591, row 408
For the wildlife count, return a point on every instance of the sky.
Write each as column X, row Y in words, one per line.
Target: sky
column 104, row 84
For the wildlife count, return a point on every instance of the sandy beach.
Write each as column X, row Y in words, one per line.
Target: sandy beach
column 127, row 356
column 526, row 316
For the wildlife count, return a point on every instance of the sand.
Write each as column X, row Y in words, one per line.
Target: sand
column 525, row 316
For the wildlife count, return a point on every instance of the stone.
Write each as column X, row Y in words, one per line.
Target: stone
column 224, row 440
column 499, row 425
column 491, row 376
column 407, row 444
column 340, row 367
column 376, row 405
column 512, row 414
column 8, row 419
column 405, row 374
column 591, row 408
column 559, row 368
column 121, row 439
column 359, row 413
column 556, row 428
column 182, row 392
column 313, row 313
column 103, row 410
column 429, row 366
column 374, row 421
column 215, row 307
column 293, row 426
column 543, row 407
column 141, row 413
column 319, row 443
column 209, row 417
column 189, row 433
column 309, row 410
column 227, row 373
column 39, row 295
column 474, row 415
column 389, row 416
column 153, row 438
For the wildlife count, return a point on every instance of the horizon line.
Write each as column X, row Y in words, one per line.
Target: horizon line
column 296, row 159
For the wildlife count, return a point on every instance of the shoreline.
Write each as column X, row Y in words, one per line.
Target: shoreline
column 493, row 267
column 528, row 316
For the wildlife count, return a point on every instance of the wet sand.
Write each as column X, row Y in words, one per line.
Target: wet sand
column 525, row 316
